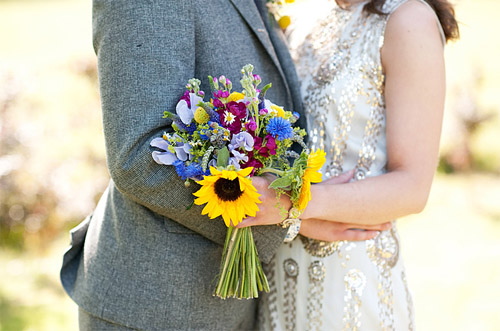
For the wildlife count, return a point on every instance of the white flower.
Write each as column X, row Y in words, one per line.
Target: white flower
column 187, row 113
column 229, row 117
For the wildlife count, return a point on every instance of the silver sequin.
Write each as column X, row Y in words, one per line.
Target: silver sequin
column 355, row 283
column 291, row 269
column 317, row 273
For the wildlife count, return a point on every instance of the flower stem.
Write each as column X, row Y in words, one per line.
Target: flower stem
column 271, row 170
column 241, row 275
column 229, row 255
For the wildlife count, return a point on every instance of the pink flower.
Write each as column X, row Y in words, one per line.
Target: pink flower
column 231, row 115
column 251, row 125
column 265, row 147
column 271, row 144
column 256, row 164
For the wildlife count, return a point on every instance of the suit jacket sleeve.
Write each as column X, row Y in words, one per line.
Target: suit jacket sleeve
column 146, row 54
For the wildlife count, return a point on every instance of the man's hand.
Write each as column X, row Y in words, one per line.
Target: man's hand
column 334, row 231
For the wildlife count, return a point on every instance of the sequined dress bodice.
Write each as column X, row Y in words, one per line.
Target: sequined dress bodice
column 341, row 285
column 343, row 89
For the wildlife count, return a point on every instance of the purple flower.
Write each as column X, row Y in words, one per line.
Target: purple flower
column 231, row 115
column 241, row 140
column 238, row 157
column 221, row 94
column 186, row 110
column 251, row 125
column 186, row 98
column 166, row 156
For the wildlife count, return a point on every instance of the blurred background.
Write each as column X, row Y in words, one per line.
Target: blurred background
column 52, row 169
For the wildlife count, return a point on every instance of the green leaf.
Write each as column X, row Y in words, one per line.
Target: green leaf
column 223, row 157
column 190, row 205
column 282, row 182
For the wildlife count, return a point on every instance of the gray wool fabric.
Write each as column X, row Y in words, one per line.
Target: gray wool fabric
column 142, row 260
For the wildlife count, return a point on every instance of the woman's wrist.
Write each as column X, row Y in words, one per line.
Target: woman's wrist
column 309, row 211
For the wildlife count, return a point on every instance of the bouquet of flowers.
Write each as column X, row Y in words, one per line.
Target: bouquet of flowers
column 220, row 144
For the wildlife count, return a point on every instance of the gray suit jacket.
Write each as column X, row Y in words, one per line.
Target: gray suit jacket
column 141, row 259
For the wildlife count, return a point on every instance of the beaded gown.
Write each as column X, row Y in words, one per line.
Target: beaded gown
column 341, row 285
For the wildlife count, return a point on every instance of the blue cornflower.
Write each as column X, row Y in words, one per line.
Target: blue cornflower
column 279, row 128
column 204, row 134
column 180, row 168
column 194, row 170
column 214, row 116
column 191, row 128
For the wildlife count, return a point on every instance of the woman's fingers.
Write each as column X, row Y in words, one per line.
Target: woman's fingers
column 343, row 178
column 333, row 231
column 376, row 227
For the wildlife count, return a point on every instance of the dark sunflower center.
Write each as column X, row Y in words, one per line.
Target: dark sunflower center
column 227, row 190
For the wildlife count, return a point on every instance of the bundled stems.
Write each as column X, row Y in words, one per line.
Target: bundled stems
column 241, row 275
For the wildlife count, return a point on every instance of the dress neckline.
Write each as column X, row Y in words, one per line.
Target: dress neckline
column 350, row 7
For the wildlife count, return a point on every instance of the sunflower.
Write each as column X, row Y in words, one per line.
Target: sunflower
column 229, row 194
column 311, row 175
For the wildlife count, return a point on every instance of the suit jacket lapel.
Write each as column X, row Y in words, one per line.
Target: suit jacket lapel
column 248, row 10
column 250, row 13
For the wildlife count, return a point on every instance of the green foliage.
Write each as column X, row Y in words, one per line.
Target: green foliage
column 222, row 157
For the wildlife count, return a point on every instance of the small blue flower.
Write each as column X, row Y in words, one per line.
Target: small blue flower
column 185, row 128
column 296, row 115
column 204, row 134
column 194, row 170
column 180, row 168
column 279, row 128
column 214, row 116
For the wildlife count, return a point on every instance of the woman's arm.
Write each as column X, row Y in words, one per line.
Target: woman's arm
column 412, row 58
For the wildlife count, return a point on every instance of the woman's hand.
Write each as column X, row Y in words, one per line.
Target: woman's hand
column 271, row 209
column 335, row 231
column 270, row 212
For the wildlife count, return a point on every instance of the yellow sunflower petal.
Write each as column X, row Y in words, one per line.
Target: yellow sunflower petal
column 226, row 219
column 305, row 195
column 316, row 160
column 214, row 171
column 207, row 210
column 213, row 209
column 245, row 172
column 231, row 175
column 315, row 177
column 231, row 210
column 203, row 191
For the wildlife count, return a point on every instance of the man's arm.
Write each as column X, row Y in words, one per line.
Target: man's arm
column 146, row 54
